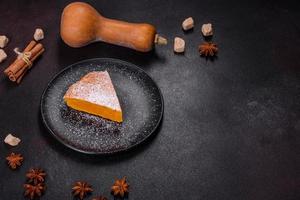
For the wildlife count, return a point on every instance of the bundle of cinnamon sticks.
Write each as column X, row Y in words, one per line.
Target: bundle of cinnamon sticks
column 16, row 71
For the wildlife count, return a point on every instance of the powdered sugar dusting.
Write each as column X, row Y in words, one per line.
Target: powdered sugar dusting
column 138, row 96
column 95, row 87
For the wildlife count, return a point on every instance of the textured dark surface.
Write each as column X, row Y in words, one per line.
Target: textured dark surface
column 231, row 128
column 140, row 99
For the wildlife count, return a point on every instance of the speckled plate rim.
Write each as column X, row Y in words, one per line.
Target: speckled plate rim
column 100, row 153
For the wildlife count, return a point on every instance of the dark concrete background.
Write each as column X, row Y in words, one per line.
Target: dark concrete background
column 230, row 129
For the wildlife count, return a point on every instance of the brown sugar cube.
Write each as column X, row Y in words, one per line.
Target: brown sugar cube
column 3, row 55
column 188, row 24
column 179, row 45
column 207, row 29
column 12, row 140
column 38, row 34
column 3, row 41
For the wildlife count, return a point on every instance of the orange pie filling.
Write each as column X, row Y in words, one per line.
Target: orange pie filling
column 95, row 94
column 94, row 109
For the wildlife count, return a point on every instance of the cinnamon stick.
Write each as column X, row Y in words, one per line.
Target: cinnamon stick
column 18, row 64
column 31, row 60
column 19, row 67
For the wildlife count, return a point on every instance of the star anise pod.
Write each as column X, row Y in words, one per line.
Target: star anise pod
column 99, row 198
column 14, row 160
column 33, row 191
column 81, row 189
column 120, row 187
column 208, row 49
column 36, row 176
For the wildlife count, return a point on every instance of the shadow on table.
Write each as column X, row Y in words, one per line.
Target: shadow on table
column 67, row 55
column 103, row 159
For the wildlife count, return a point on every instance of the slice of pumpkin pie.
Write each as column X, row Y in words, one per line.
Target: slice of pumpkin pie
column 94, row 93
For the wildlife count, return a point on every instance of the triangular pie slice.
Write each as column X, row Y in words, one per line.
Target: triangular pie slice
column 94, row 93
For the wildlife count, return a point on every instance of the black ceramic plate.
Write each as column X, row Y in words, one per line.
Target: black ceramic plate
column 139, row 96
